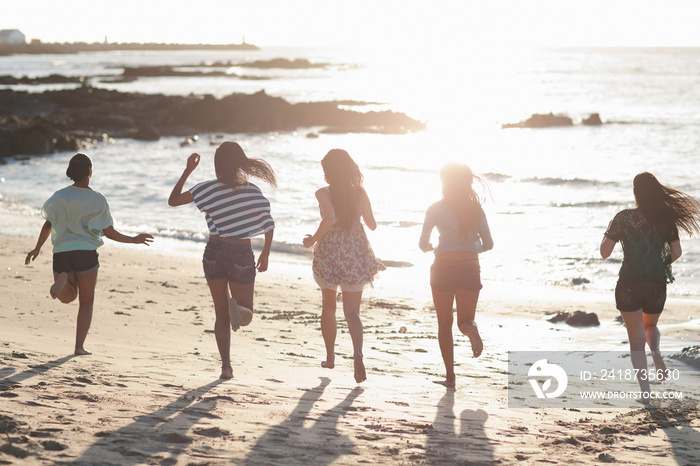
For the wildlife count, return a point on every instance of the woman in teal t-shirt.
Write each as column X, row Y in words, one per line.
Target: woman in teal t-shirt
column 649, row 237
column 76, row 218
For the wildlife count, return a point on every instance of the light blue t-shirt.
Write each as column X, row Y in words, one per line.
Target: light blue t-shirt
column 77, row 216
column 451, row 239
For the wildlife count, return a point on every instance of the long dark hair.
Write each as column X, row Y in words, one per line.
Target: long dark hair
column 461, row 197
column 663, row 206
column 79, row 167
column 233, row 167
column 345, row 183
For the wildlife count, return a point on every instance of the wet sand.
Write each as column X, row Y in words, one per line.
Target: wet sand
column 150, row 393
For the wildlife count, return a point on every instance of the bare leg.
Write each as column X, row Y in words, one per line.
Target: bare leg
column 329, row 326
column 351, row 309
column 637, row 337
column 222, row 325
column 653, row 339
column 443, row 308
column 86, row 298
column 65, row 287
column 466, row 310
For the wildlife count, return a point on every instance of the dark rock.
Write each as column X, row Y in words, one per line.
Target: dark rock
column 542, row 120
column 592, row 120
column 577, row 319
column 53, row 445
column 147, row 133
column 67, row 116
column 579, row 281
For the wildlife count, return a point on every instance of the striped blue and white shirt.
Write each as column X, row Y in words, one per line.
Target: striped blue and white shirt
column 241, row 212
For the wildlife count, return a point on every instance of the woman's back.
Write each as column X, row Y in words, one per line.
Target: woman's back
column 646, row 248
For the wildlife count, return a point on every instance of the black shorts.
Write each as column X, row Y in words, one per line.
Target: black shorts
column 73, row 262
column 632, row 296
column 448, row 276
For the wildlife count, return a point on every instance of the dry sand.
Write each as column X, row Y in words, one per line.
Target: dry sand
column 149, row 393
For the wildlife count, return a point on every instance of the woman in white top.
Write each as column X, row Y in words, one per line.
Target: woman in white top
column 76, row 218
column 236, row 211
column 455, row 274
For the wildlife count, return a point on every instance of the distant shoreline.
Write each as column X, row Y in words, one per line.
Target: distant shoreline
column 76, row 47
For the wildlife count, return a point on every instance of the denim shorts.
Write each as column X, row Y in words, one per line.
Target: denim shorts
column 71, row 262
column 632, row 296
column 232, row 261
column 448, row 276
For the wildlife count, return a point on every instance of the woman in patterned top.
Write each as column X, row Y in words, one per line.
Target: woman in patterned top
column 649, row 237
column 236, row 211
column 76, row 218
column 343, row 256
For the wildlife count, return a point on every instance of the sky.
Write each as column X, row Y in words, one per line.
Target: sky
column 362, row 23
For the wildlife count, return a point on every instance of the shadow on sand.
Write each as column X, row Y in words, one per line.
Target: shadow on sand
column 470, row 446
column 675, row 423
column 159, row 437
column 295, row 442
column 10, row 379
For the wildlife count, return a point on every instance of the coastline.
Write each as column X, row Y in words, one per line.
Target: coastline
column 149, row 392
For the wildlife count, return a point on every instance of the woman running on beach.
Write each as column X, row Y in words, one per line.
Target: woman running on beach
column 455, row 273
column 343, row 256
column 236, row 211
column 649, row 237
column 76, row 218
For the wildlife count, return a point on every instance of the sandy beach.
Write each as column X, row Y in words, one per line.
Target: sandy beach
column 149, row 393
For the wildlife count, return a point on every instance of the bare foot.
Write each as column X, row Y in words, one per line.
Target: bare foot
column 81, row 352
column 58, row 285
column 445, row 383
column 226, row 372
column 328, row 363
column 646, row 401
column 234, row 313
column 246, row 316
column 360, row 373
column 659, row 365
column 472, row 331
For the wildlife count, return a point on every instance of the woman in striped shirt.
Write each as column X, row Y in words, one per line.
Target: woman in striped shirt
column 236, row 211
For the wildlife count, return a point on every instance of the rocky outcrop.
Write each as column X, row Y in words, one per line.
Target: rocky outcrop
column 36, row 123
column 542, row 120
column 549, row 120
column 577, row 319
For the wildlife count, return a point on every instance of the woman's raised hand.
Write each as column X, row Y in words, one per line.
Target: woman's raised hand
column 192, row 162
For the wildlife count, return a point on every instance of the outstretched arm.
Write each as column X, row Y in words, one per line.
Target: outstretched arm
column 177, row 197
column 327, row 218
column 114, row 235
column 43, row 236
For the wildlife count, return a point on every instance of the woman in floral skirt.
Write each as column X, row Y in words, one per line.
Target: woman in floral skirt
column 343, row 256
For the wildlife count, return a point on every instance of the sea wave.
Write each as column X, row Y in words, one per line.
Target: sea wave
column 586, row 204
column 573, row 182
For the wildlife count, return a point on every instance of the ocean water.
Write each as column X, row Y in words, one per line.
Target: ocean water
column 551, row 191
